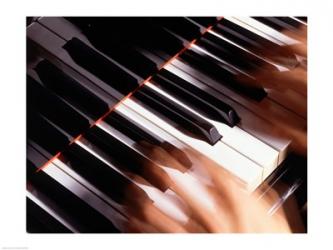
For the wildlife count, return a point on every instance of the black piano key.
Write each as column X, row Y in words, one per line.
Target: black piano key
column 140, row 134
column 120, row 52
column 151, row 35
column 197, row 98
column 207, row 65
column 233, row 54
column 297, row 166
column 127, row 159
column 240, row 35
column 280, row 23
column 55, row 109
column 302, row 18
column 44, row 224
column 70, row 90
column 100, row 66
column 185, row 120
column 40, row 221
column 99, row 174
column 180, row 26
column 45, row 134
column 204, row 21
column 86, row 219
column 131, row 129
column 134, row 31
column 253, row 42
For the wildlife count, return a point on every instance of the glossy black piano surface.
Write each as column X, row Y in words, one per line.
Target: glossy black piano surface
column 103, row 91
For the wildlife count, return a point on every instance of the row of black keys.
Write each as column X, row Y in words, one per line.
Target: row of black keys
column 58, row 98
column 128, row 34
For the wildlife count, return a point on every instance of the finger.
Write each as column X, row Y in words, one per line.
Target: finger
column 295, row 79
column 298, row 48
column 137, row 226
column 177, row 153
column 192, row 226
column 163, row 157
column 156, row 218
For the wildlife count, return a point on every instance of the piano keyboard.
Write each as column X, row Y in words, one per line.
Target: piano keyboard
column 99, row 87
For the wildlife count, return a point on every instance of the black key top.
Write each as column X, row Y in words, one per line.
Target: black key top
column 86, row 218
column 45, row 134
column 120, row 52
column 55, row 109
column 126, row 158
column 197, row 98
column 99, row 174
column 100, row 66
column 205, row 21
column 184, row 120
column 180, row 26
column 208, row 66
column 70, row 90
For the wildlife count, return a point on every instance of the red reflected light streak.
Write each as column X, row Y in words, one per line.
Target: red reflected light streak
column 127, row 96
column 48, row 162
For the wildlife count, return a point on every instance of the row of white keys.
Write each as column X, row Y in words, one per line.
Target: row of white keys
column 236, row 138
column 250, row 121
column 246, row 170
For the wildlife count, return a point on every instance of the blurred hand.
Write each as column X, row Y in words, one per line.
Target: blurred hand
column 221, row 206
column 295, row 78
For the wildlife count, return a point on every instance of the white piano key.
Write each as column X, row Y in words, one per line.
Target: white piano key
column 246, row 170
column 264, row 30
column 279, row 67
column 236, row 138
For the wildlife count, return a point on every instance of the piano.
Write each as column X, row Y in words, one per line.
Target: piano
column 99, row 86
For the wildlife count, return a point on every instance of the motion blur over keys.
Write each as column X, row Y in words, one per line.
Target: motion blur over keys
column 166, row 124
